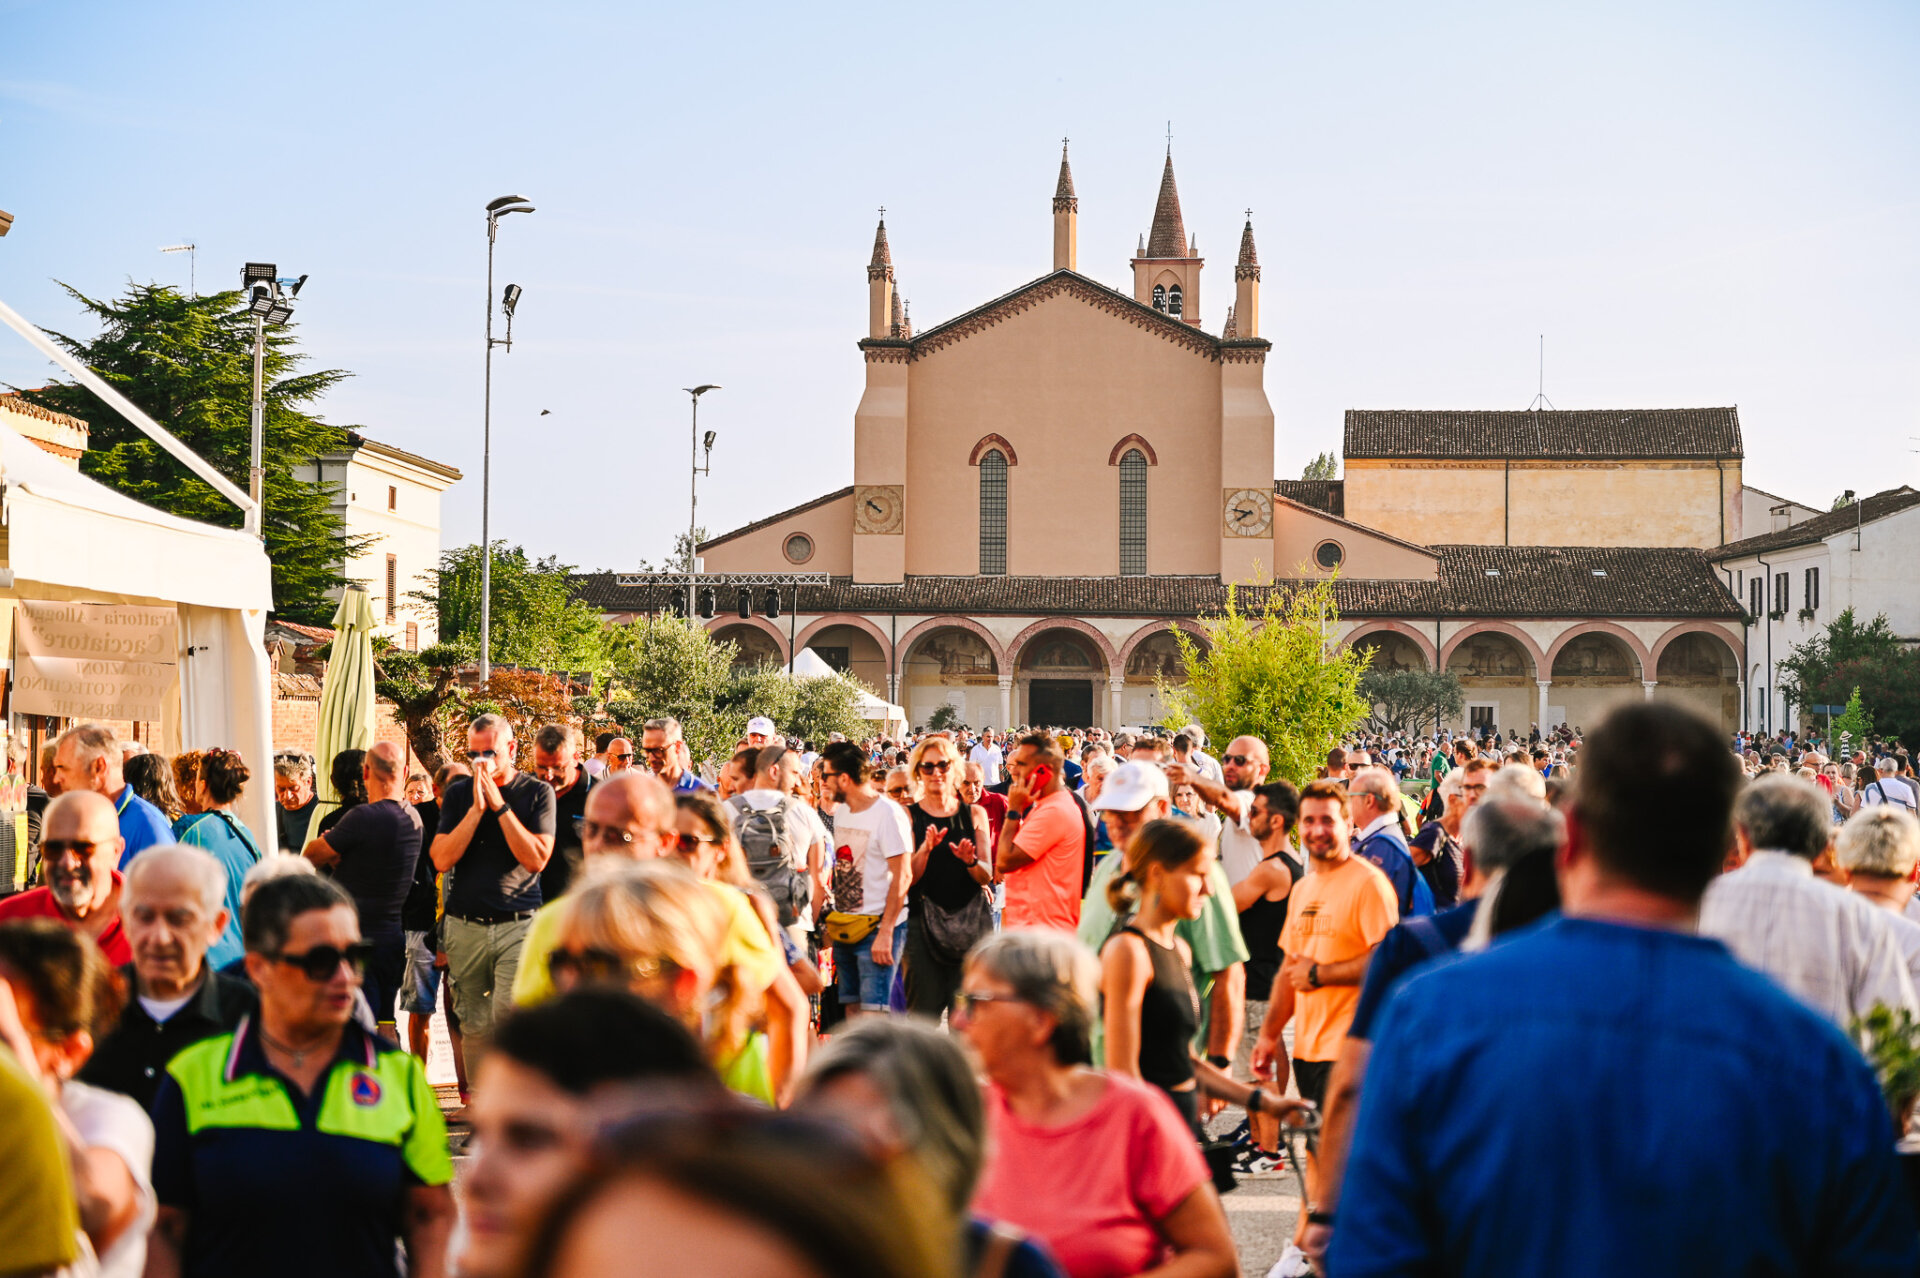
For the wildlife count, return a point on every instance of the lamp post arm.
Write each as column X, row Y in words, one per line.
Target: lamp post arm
column 125, row 407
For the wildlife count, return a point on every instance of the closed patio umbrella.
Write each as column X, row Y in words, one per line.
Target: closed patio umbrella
column 346, row 698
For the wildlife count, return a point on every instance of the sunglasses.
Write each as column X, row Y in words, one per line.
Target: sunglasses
column 599, row 967
column 82, row 848
column 594, row 832
column 966, row 1003
column 1236, row 759
column 652, row 752
column 691, row 843
column 322, row 961
column 622, row 757
column 937, row 765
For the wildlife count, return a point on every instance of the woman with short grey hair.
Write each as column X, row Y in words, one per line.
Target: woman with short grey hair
column 910, row 1090
column 1100, row 1167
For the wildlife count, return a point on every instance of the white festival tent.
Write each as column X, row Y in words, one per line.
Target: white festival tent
column 71, row 539
column 892, row 719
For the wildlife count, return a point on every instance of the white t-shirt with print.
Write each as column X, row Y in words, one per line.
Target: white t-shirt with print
column 863, row 843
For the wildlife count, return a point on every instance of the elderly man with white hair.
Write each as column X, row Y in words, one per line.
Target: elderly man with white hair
column 1890, row 788
column 1879, row 852
column 173, row 906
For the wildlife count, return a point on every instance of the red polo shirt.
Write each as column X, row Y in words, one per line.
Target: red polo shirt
column 39, row 904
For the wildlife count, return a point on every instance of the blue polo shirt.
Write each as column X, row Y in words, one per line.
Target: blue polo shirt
column 300, row 1186
column 1589, row 1098
column 1385, row 850
column 142, row 825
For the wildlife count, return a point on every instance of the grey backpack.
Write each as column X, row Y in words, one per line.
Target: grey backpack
column 772, row 841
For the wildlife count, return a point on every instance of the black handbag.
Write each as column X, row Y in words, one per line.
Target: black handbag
column 951, row 933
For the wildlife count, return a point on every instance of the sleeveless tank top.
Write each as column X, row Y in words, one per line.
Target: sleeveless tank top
column 1260, row 925
column 946, row 882
column 1169, row 1017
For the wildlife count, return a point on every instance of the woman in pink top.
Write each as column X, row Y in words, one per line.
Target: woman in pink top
column 1099, row 1167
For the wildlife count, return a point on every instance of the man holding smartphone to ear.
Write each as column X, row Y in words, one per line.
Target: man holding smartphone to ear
column 1042, row 857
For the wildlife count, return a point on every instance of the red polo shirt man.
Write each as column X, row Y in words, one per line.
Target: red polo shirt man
column 79, row 846
column 1042, row 856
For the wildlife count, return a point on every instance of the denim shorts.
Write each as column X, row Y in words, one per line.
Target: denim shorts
column 420, row 990
column 864, row 983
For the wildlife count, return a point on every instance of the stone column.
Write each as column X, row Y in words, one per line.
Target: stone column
column 1649, row 685
column 1115, row 685
column 1006, row 704
column 1541, row 717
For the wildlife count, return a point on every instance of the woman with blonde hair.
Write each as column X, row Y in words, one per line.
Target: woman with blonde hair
column 654, row 928
column 186, row 779
column 711, row 849
column 948, row 906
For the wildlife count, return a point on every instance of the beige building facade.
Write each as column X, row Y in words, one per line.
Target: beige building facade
column 1043, row 485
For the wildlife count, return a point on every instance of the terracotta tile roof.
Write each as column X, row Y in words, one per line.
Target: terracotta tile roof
column 318, row 634
column 1820, row 527
column 1329, row 495
column 1168, row 237
column 770, row 520
column 14, row 402
column 1555, row 434
column 1527, row 581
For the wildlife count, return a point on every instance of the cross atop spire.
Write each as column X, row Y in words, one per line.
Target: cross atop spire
column 1063, row 196
column 882, row 261
column 1168, row 238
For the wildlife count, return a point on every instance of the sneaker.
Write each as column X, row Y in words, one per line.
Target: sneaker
column 1293, row 1263
column 1241, row 1135
column 1253, row 1161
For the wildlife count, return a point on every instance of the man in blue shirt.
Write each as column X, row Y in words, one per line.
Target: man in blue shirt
column 87, row 757
column 1377, row 838
column 1611, row 1093
column 662, row 747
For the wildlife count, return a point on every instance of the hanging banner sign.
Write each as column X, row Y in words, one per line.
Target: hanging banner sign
column 94, row 661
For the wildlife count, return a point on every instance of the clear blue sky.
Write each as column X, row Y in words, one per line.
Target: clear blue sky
column 1697, row 204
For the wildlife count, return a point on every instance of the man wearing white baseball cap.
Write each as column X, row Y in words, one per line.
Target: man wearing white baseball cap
column 759, row 731
column 1134, row 794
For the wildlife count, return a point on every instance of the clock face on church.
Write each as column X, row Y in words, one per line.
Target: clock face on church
column 1247, row 512
column 877, row 508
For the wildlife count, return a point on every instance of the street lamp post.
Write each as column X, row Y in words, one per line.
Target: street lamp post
column 693, row 487
column 268, row 305
column 496, row 210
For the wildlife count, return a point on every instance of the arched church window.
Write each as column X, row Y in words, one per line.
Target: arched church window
column 993, row 514
column 1133, row 513
column 1159, row 297
column 1173, row 300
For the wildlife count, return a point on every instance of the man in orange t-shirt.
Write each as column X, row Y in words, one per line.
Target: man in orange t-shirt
column 1339, row 910
column 1043, row 842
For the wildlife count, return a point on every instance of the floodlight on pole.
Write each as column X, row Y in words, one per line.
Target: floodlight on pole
column 693, row 486
column 268, row 305
column 496, row 209
column 258, row 273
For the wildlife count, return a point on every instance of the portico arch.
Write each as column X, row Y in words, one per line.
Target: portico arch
column 1732, row 638
column 1499, row 668
column 1698, row 666
column 1061, row 667
column 1376, row 629
column 752, row 635
column 866, row 653
column 1628, row 640
column 956, row 662
column 1150, row 657
column 1520, row 638
column 1152, row 628
column 1015, row 650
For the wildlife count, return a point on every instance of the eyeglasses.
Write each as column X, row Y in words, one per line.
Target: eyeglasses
column 937, row 765
column 600, row 967
column 965, row 1003
column 690, row 843
column 594, row 832
column 82, row 848
column 322, row 961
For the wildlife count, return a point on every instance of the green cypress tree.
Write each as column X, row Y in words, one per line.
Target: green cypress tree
column 188, row 362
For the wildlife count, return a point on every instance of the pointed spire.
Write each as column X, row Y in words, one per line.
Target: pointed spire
column 1063, row 196
column 1141, row 250
column 906, row 320
column 896, row 320
column 1168, row 238
column 882, row 264
column 1249, row 265
column 1230, row 331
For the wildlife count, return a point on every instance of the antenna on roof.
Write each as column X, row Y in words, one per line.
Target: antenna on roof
column 1540, row 398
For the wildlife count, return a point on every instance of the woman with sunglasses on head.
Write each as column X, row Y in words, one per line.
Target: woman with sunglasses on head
column 654, row 928
column 301, row 1143
column 949, row 906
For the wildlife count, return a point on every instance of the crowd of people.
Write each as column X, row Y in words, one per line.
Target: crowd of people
column 965, row 1004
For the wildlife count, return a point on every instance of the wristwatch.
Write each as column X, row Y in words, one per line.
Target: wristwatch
column 1313, row 976
column 1317, row 1217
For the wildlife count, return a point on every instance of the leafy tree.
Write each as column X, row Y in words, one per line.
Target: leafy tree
column 944, row 719
column 1323, row 466
column 534, row 618
column 809, row 708
column 1404, row 700
column 1844, row 500
column 1849, row 657
column 669, row 666
column 1855, row 724
column 420, row 684
column 1276, row 674
column 188, row 362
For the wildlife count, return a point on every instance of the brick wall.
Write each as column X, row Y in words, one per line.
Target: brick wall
column 296, row 718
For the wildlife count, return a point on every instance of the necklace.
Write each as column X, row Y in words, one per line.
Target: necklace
column 299, row 1054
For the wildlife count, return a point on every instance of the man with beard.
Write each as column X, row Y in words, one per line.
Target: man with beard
column 1336, row 915
column 80, row 846
column 1244, row 765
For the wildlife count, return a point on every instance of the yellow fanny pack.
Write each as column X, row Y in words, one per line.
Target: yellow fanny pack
column 850, row 929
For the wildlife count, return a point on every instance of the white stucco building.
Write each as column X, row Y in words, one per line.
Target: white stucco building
column 394, row 497
column 1795, row 580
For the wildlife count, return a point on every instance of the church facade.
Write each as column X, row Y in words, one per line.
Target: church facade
column 1043, row 485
